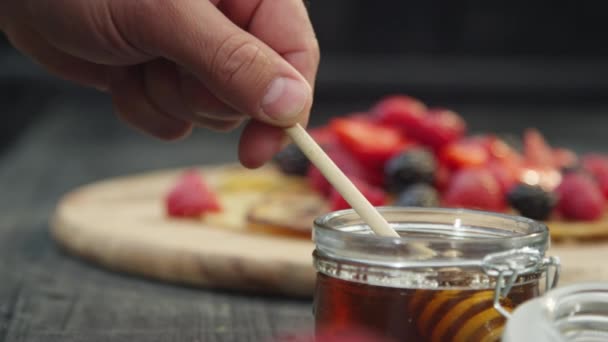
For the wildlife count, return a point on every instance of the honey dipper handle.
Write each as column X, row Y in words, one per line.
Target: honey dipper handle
column 340, row 182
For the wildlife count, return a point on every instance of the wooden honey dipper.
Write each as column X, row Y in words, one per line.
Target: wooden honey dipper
column 458, row 316
column 346, row 188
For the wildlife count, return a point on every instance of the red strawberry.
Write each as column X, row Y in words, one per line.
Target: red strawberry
column 474, row 189
column 400, row 111
column 191, row 197
column 580, row 198
column 317, row 181
column 464, row 153
column 376, row 196
column 442, row 177
column 504, row 174
column 537, row 151
column 602, row 181
column 371, row 143
column 439, row 128
column 597, row 165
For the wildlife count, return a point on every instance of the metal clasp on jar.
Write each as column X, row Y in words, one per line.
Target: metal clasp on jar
column 508, row 266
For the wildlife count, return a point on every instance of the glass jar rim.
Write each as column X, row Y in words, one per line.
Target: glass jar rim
column 434, row 244
column 536, row 228
column 445, row 236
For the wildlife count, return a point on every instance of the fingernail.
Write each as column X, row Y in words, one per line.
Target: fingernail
column 285, row 98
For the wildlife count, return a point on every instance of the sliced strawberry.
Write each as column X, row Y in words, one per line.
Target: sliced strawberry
column 371, row 143
column 191, row 197
column 463, row 154
column 503, row 161
column 439, row 128
column 376, row 196
column 498, row 149
column 348, row 162
column 363, row 116
column 580, row 198
column 400, row 111
column 564, row 158
column 537, row 151
column 323, row 135
column 474, row 189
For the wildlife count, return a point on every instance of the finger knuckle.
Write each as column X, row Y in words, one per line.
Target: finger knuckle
column 125, row 23
column 114, row 27
column 237, row 58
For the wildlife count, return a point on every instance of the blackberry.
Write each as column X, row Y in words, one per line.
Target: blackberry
column 574, row 168
column 292, row 161
column 532, row 201
column 418, row 195
column 413, row 166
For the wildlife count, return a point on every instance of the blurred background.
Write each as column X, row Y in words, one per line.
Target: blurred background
column 502, row 65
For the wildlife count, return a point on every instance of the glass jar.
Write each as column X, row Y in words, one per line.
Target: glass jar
column 453, row 275
column 572, row 313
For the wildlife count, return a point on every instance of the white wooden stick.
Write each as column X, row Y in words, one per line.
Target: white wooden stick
column 338, row 180
column 347, row 189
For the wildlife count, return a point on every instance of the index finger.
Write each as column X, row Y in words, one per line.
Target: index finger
column 284, row 26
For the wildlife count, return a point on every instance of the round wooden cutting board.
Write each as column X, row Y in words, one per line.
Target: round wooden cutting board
column 121, row 224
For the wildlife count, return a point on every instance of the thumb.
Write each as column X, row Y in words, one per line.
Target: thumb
column 234, row 65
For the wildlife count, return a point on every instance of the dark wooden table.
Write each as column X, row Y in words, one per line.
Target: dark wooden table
column 46, row 295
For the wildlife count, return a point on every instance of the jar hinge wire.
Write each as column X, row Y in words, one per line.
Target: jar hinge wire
column 508, row 266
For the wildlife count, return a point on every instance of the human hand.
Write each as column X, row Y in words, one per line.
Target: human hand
column 169, row 65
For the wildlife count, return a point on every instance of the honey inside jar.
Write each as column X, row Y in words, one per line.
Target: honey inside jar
column 413, row 314
column 397, row 292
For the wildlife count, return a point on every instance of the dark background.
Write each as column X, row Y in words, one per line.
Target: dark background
column 491, row 61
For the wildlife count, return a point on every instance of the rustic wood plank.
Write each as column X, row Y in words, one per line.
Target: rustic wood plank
column 48, row 296
column 64, row 298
